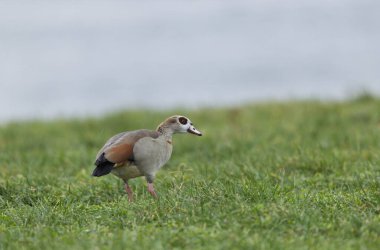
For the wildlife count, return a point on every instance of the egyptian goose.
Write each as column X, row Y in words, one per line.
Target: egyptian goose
column 141, row 152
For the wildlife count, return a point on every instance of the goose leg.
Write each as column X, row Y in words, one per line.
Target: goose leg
column 149, row 179
column 129, row 191
column 151, row 189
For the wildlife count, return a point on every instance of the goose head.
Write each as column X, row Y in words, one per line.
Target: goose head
column 178, row 124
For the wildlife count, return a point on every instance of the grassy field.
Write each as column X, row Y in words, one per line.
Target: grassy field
column 296, row 175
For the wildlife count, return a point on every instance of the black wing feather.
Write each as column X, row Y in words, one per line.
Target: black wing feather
column 103, row 166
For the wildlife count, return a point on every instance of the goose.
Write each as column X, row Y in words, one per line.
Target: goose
column 141, row 152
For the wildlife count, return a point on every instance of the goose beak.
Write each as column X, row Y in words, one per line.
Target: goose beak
column 193, row 130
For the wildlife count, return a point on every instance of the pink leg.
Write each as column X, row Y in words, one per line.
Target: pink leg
column 151, row 190
column 129, row 191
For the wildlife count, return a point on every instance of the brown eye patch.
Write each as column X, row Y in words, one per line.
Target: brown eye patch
column 182, row 120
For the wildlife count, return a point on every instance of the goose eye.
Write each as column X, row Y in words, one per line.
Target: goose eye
column 182, row 120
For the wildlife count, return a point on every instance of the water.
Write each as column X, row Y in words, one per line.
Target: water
column 78, row 58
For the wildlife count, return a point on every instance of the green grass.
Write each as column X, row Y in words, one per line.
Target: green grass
column 297, row 175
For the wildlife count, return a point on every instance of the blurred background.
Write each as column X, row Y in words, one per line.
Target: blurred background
column 78, row 58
